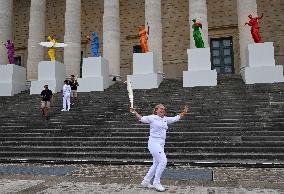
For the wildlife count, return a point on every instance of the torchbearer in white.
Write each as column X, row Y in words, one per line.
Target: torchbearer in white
column 158, row 122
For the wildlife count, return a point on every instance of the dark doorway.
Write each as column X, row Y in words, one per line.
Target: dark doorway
column 222, row 56
column 18, row 60
column 137, row 49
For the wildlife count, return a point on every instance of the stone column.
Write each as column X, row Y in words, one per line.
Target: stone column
column 245, row 7
column 154, row 20
column 111, row 36
column 198, row 10
column 72, row 37
column 36, row 35
column 6, row 14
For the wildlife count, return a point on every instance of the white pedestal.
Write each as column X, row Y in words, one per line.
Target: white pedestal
column 51, row 73
column 145, row 74
column 199, row 69
column 261, row 66
column 12, row 79
column 95, row 75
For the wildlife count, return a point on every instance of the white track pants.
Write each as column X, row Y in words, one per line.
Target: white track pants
column 66, row 99
column 156, row 148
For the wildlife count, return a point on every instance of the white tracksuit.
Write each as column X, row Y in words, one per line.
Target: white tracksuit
column 156, row 143
column 66, row 96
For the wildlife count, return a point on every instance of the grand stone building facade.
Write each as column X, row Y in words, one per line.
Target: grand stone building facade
column 67, row 23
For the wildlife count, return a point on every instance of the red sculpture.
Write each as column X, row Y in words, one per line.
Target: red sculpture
column 253, row 22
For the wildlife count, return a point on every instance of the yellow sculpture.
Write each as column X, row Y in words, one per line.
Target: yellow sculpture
column 52, row 49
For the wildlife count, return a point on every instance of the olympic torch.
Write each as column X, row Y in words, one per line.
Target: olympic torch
column 130, row 92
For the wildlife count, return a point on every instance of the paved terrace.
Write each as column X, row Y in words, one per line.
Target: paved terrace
column 88, row 178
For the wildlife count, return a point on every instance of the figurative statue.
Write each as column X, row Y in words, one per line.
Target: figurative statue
column 197, row 34
column 253, row 22
column 10, row 51
column 52, row 44
column 95, row 45
column 52, row 49
column 143, row 37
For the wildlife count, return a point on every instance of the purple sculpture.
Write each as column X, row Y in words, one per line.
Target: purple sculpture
column 10, row 51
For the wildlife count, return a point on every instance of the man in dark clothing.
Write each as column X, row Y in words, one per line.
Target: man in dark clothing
column 73, row 84
column 46, row 96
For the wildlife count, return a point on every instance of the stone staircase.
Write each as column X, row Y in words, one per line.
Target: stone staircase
column 231, row 123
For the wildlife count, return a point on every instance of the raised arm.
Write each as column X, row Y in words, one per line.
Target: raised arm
column 260, row 16
column 171, row 120
column 148, row 29
column 137, row 115
column 185, row 110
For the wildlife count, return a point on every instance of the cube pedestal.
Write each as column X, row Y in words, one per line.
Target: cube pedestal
column 199, row 69
column 12, row 79
column 52, row 73
column 261, row 66
column 95, row 75
column 145, row 74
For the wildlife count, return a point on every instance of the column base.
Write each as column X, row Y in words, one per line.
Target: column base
column 261, row 66
column 144, row 72
column 90, row 84
column 145, row 81
column 199, row 78
column 265, row 74
column 199, row 69
column 198, row 59
column 95, row 75
column 51, row 73
column 143, row 63
column 260, row 54
column 12, row 79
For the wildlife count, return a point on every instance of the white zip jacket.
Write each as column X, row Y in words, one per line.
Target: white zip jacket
column 66, row 90
column 159, row 125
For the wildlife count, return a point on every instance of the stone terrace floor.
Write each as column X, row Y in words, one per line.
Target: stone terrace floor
column 88, row 178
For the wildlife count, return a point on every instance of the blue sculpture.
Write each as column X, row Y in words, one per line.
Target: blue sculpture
column 95, row 45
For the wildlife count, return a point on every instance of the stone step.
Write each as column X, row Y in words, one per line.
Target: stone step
column 195, row 107
column 108, row 156
column 126, row 117
column 144, row 144
column 105, row 149
column 170, row 134
column 231, row 122
column 177, row 129
column 115, row 161
column 145, row 137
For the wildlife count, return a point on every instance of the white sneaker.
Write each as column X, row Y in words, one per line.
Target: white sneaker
column 159, row 187
column 63, row 110
column 146, row 184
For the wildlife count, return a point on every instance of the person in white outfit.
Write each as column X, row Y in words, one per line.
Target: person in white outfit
column 158, row 128
column 66, row 96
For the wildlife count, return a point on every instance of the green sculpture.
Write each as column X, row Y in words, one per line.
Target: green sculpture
column 197, row 34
